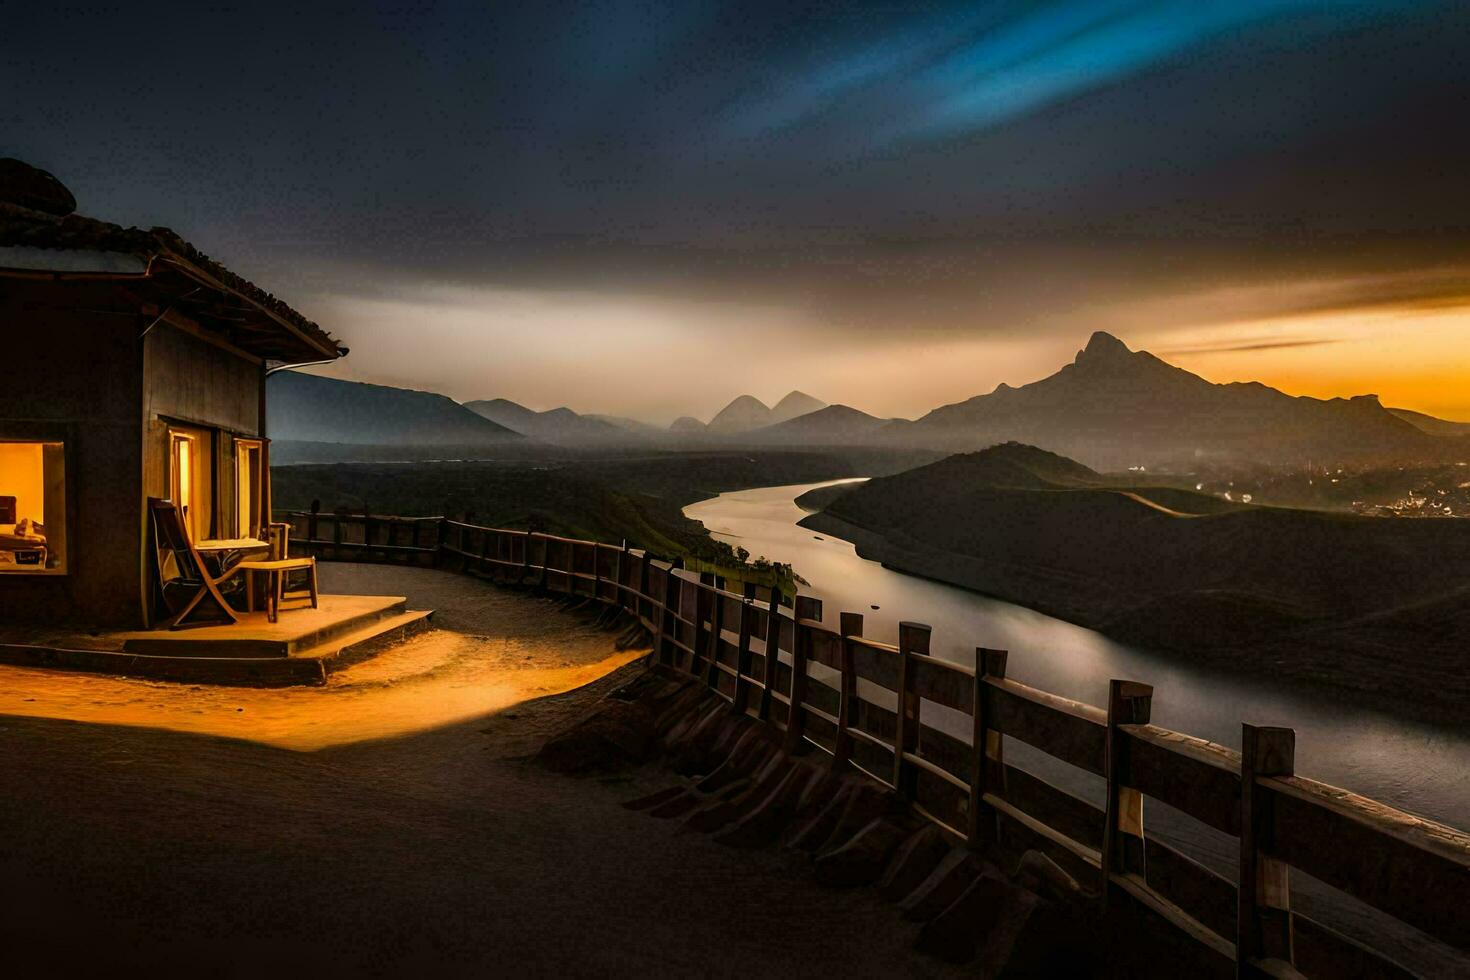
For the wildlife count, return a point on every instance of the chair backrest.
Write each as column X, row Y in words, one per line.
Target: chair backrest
column 176, row 562
column 278, row 536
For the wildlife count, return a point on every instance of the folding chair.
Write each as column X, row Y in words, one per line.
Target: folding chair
column 183, row 579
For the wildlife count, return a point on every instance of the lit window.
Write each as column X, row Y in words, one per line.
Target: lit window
column 32, row 508
column 189, row 479
column 248, row 488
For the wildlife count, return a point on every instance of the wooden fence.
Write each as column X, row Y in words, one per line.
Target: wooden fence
column 891, row 711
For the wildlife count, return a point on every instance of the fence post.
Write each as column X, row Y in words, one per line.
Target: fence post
column 316, row 507
column 673, row 599
column 712, row 646
column 850, row 625
column 807, row 607
column 988, row 772
column 1129, row 703
column 913, row 639
column 1263, row 922
column 620, row 572
column 645, row 565
column 658, row 612
column 742, row 658
column 545, row 560
column 441, row 538
column 773, row 657
column 701, row 612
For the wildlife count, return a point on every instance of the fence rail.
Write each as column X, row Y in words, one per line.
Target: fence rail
column 866, row 704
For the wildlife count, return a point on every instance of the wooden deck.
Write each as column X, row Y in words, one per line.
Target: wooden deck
column 300, row 648
column 298, row 632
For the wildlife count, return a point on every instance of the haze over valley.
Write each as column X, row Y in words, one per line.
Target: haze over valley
column 1110, row 408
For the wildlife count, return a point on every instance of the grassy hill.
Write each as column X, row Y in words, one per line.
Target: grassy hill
column 1175, row 569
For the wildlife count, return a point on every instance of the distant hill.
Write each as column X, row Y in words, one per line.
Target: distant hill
column 741, row 415
column 795, row 405
column 308, row 408
column 1011, row 466
column 1112, row 408
column 1175, row 569
column 834, row 425
column 687, row 425
column 748, row 413
column 1432, row 425
column 561, row 426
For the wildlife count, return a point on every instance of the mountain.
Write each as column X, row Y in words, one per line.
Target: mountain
column 830, row 426
column 687, row 425
column 1434, row 426
column 310, row 408
column 795, row 405
column 1249, row 587
column 558, row 425
column 741, row 415
column 748, row 412
column 1113, row 408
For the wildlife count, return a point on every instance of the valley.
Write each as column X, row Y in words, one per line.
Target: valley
column 1333, row 601
column 1231, row 524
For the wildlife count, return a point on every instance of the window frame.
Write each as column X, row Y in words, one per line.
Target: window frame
column 203, row 480
column 56, row 513
column 245, row 446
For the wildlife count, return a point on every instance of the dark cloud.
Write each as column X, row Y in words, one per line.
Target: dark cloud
column 986, row 169
column 1246, row 346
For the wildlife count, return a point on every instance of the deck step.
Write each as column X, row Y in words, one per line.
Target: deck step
column 297, row 629
column 347, row 649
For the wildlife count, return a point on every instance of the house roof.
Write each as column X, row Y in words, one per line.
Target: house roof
column 167, row 270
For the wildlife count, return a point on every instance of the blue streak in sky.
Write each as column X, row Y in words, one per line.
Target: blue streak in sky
column 806, row 93
column 967, row 72
column 1073, row 47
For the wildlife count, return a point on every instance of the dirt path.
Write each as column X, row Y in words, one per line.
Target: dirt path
column 435, row 852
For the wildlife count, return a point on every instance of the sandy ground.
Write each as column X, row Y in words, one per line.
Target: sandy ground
column 385, row 825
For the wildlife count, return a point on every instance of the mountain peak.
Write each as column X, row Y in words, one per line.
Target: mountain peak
column 747, row 401
column 1103, row 345
column 794, row 405
column 741, row 415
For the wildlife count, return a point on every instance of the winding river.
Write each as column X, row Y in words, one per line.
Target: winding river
column 1422, row 769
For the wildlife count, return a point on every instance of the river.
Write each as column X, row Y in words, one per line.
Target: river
column 1415, row 767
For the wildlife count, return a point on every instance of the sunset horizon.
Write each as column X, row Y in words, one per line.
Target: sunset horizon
column 772, row 488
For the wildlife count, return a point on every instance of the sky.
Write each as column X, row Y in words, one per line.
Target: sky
column 647, row 209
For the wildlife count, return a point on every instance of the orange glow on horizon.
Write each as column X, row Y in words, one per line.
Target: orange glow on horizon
column 1410, row 357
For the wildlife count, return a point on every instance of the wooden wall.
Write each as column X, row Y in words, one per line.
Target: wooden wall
column 73, row 374
column 77, row 367
column 188, row 379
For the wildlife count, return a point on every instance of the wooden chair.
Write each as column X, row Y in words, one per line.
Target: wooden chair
column 275, row 569
column 183, row 580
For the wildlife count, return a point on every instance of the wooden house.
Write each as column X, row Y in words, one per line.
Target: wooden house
column 135, row 367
